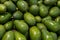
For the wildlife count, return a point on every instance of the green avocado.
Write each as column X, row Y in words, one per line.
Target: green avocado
column 43, row 11
column 58, row 3
column 38, row 19
column 41, row 26
column 2, row 8
column 21, row 26
column 35, row 33
column 8, row 36
column 22, row 5
column 46, row 35
column 54, row 35
column 11, row 7
column 29, row 18
column 5, row 17
column 52, row 25
column 34, row 9
column 46, row 18
column 2, row 31
column 18, row 15
column 2, row 1
column 8, row 25
column 40, row 2
column 33, row 2
column 54, row 12
column 57, row 19
column 50, row 2
column 19, row 36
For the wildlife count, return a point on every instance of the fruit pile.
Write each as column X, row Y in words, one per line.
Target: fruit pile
column 29, row 19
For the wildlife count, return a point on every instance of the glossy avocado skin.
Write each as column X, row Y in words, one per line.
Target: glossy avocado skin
column 8, row 25
column 18, row 15
column 58, row 3
column 41, row 26
column 33, row 2
column 35, row 34
column 40, row 2
column 2, row 8
column 43, row 11
column 22, row 5
column 54, row 12
column 50, row 2
column 38, row 19
column 8, row 36
column 34, row 9
column 19, row 36
column 52, row 25
column 46, row 18
column 2, row 31
column 5, row 17
column 21, row 26
column 46, row 35
column 11, row 7
column 57, row 19
column 54, row 35
column 13, row 35
column 29, row 18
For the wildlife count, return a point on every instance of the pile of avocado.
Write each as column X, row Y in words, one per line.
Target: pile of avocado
column 29, row 19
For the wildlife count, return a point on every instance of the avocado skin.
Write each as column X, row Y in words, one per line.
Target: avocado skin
column 35, row 33
column 11, row 7
column 29, row 18
column 8, row 36
column 2, row 31
column 5, row 17
column 19, row 36
column 21, row 26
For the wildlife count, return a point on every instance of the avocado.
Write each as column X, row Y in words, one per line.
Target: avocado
column 38, row 19
column 8, row 25
column 33, row 2
column 19, row 36
column 8, row 36
column 46, row 35
column 34, row 9
column 41, row 26
column 2, row 31
column 54, row 35
column 22, row 5
column 5, row 17
column 43, row 11
column 17, row 15
column 58, row 19
column 35, row 33
column 52, row 25
column 21, row 26
column 11, row 7
column 54, row 12
column 2, row 8
column 29, row 18
column 50, row 2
